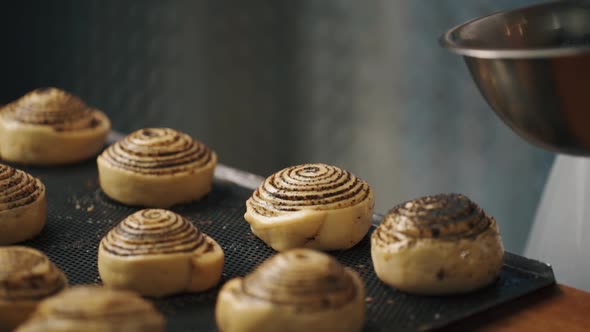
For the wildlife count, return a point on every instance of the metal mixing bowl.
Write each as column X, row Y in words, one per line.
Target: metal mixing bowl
column 532, row 65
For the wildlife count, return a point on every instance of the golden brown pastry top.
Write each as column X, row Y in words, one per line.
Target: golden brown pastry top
column 305, row 278
column 82, row 305
column 444, row 217
column 55, row 108
column 308, row 187
column 17, row 188
column 151, row 232
column 158, row 151
column 27, row 274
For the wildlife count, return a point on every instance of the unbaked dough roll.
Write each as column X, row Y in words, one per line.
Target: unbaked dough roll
column 314, row 206
column 23, row 206
column 158, row 252
column 95, row 309
column 439, row 244
column 51, row 127
column 296, row 290
column 27, row 276
column 156, row 167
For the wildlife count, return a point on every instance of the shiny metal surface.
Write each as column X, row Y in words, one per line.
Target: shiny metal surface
column 532, row 65
column 547, row 30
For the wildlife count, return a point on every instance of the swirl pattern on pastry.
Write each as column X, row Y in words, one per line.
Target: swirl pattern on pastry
column 308, row 187
column 153, row 231
column 54, row 108
column 304, row 278
column 94, row 308
column 158, row 151
column 134, row 306
column 444, row 217
column 17, row 188
column 27, row 274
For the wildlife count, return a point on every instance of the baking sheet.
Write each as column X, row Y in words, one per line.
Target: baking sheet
column 80, row 215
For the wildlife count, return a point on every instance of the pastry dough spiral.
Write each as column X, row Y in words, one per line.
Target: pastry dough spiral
column 26, row 277
column 445, row 217
column 150, row 232
column 50, row 126
column 437, row 245
column 54, row 108
column 95, row 309
column 157, row 167
column 303, row 278
column 302, row 288
column 23, row 206
column 158, row 151
column 308, row 187
column 311, row 205
column 158, row 252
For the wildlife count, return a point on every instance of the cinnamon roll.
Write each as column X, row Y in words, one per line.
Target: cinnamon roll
column 27, row 276
column 303, row 289
column 23, row 207
column 95, row 309
column 156, row 167
column 315, row 206
column 157, row 253
column 51, row 127
column 439, row 244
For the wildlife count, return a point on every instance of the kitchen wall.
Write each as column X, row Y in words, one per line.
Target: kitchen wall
column 360, row 84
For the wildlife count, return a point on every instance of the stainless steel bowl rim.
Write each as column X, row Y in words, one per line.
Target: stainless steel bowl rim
column 447, row 41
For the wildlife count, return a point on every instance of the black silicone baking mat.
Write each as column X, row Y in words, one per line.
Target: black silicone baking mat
column 80, row 214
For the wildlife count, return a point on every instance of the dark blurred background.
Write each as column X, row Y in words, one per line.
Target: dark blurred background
column 359, row 84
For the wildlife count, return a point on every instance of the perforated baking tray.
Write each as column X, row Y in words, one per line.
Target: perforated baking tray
column 80, row 214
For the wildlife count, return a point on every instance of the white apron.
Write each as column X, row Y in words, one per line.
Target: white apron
column 560, row 234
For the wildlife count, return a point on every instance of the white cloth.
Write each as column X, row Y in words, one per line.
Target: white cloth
column 560, row 234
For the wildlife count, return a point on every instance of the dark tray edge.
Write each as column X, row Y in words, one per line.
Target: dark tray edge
column 541, row 270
